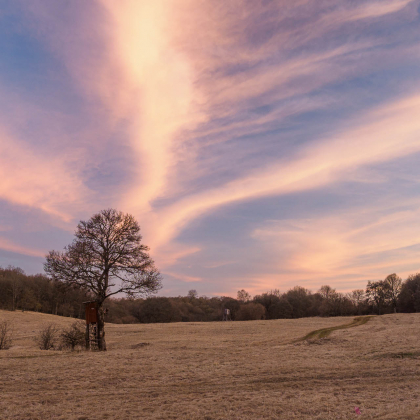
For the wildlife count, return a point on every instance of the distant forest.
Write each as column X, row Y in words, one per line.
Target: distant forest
column 19, row 291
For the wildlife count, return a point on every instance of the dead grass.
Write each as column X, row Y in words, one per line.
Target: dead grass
column 230, row 370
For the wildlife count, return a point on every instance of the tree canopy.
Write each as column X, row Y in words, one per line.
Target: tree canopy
column 106, row 257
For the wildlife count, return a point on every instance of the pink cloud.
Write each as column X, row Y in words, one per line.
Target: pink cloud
column 29, row 179
column 7, row 245
column 169, row 73
column 183, row 277
column 385, row 134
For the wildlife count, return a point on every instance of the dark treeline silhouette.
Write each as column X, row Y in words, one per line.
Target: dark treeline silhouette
column 40, row 294
column 19, row 291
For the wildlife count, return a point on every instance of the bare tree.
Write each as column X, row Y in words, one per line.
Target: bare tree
column 15, row 275
column 377, row 292
column 243, row 296
column 107, row 258
column 357, row 297
column 192, row 294
column 394, row 284
column 326, row 292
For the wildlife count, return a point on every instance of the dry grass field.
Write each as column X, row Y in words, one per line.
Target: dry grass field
column 230, row 370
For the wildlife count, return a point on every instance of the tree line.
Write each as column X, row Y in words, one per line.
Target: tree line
column 107, row 258
column 39, row 293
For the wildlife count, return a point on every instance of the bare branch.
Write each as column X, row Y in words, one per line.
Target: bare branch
column 106, row 257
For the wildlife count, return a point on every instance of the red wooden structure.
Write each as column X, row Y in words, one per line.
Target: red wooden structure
column 91, row 311
column 92, row 330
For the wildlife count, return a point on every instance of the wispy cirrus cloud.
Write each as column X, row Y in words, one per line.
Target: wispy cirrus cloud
column 362, row 244
column 9, row 246
column 175, row 112
column 386, row 134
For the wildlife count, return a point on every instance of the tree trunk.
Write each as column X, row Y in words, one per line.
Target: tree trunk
column 100, row 332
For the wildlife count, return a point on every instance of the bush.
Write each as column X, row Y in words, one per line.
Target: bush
column 250, row 311
column 74, row 336
column 47, row 338
column 5, row 335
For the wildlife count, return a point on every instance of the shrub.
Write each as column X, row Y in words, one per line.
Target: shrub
column 74, row 336
column 47, row 337
column 5, row 335
column 250, row 311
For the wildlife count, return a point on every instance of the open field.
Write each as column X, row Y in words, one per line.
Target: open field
column 230, row 370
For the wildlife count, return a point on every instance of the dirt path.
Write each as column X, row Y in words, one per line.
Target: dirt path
column 325, row 332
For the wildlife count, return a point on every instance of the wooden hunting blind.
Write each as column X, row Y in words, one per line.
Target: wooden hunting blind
column 91, row 310
column 92, row 330
column 226, row 315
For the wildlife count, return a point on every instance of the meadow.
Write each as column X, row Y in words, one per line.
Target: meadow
column 218, row 370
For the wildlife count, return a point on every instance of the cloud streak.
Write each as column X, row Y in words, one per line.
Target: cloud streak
column 9, row 246
column 179, row 113
column 362, row 244
column 27, row 179
column 388, row 133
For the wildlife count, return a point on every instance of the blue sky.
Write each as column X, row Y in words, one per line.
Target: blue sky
column 260, row 144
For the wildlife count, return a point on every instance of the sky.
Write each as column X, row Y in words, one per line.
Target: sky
column 260, row 144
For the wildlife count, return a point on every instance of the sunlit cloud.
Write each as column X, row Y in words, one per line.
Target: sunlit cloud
column 170, row 253
column 155, row 87
column 183, row 277
column 9, row 246
column 386, row 134
column 175, row 112
column 362, row 244
column 28, row 179
column 378, row 9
